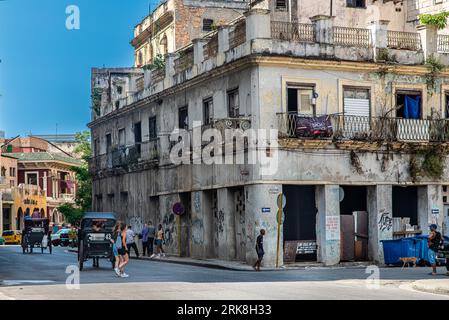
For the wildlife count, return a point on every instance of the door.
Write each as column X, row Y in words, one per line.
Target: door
column 356, row 109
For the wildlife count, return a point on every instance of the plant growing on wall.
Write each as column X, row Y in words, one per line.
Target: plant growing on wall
column 96, row 100
column 430, row 162
column 157, row 63
column 438, row 20
column 435, row 67
column 355, row 162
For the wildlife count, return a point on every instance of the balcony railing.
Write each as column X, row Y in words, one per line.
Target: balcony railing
column 404, row 40
column 185, row 61
column 443, row 43
column 123, row 156
column 210, row 49
column 353, row 37
column 238, row 35
column 301, row 32
column 151, row 150
column 360, row 128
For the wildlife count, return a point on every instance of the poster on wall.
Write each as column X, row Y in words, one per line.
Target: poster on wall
column 333, row 228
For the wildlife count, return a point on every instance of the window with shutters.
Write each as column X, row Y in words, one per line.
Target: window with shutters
column 356, row 4
column 233, row 103
column 121, row 137
column 281, row 5
column 207, row 25
column 300, row 99
column 356, row 101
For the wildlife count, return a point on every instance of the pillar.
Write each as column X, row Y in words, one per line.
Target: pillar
column 198, row 50
column 328, row 223
column 324, row 28
column 379, row 38
column 258, row 24
column 429, row 39
column 261, row 213
column 226, row 239
column 430, row 207
column 202, row 225
column 223, row 44
column 380, row 219
column 169, row 69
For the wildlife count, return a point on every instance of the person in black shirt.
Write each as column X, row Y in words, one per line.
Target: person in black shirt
column 259, row 250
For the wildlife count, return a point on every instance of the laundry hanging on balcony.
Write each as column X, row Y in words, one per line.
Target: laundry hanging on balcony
column 411, row 107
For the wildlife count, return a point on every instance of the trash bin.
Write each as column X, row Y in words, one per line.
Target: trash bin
column 401, row 248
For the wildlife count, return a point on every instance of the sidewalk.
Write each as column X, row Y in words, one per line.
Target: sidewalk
column 439, row 285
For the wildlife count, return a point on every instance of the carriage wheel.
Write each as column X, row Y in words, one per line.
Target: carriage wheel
column 80, row 256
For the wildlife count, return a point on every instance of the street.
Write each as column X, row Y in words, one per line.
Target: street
column 42, row 276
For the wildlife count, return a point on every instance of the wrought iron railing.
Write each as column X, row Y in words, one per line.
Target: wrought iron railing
column 362, row 128
column 210, row 49
column 124, row 156
column 443, row 43
column 352, row 37
column 238, row 35
column 301, row 32
column 404, row 40
column 151, row 150
column 185, row 61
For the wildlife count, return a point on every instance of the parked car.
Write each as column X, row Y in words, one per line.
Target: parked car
column 12, row 237
column 61, row 238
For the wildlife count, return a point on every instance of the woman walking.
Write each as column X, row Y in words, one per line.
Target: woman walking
column 159, row 241
column 115, row 234
column 259, row 250
column 122, row 250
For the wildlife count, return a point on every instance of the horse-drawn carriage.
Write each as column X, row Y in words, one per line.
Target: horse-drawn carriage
column 36, row 235
column 94, row 238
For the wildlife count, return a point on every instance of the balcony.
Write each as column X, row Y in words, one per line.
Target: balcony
column 300, row 32
column 185, row 61
column 359, row 128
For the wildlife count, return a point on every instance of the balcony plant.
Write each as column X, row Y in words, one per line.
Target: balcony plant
column 157, row 63
column 96, row 100
column 435, row 67
column 438, row 20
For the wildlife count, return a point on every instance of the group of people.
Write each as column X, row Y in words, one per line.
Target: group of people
column 123, row 239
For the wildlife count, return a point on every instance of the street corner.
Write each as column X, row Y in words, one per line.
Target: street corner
column 438, row 285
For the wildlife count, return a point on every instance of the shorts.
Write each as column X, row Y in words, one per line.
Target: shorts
column 122, row 252
column 158, row 242
column 432, row 257
column 114, row 250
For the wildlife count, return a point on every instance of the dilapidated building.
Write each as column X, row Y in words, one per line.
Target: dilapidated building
column 360, row 115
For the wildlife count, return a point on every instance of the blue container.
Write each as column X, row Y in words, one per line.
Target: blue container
column 392, row 251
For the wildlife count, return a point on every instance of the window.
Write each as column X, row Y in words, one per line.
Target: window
column 140, row 59
column 108, row 143
column 183, row 118
column 233, row 103
column 446, row 104
column 119, row 89
column 408, row 104
column 152, row 128
column 138, row 136
column 12, row 172
column 97, row 147
column 208, row 105
column 164, row 45
column 300, row 99
column 355, row 3
column 281, row 4
column 356, row 101
column 121, row 137
column 207, row 25
column 31, row 178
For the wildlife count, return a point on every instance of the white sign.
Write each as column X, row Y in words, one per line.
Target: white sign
column 333, row 228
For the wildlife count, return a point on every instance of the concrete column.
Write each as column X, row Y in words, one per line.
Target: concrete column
column 429, row 39
column 202, row 226
column 198, row 50
column 430, row 199
column 379, row 38
column 227, row 238
column 328, row 223
column 223, row 44
column 258, row 24
column 380, row 219
column 324, row 28
column 260, row 197
column 169, row 69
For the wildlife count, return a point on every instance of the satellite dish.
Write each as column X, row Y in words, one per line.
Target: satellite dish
column 341, row 194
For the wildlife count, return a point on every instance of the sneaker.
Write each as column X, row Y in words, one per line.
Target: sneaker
column 124, row 275
column 117, row 272
column 163, row 255
column 152, row 256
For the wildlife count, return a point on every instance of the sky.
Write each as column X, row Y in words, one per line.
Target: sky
column 45, row 68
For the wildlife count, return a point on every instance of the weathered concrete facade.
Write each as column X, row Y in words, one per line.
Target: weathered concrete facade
column 259, row 71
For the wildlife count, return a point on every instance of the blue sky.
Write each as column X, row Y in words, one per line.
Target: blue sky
column 45, row 68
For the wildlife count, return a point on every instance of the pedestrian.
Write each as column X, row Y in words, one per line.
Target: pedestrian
column 145, row 245
column 159, row 241
column 130, row 235
column 433, row 242
column 122, row 250
column 151, row 235
column 259, row 250
column 117, row 257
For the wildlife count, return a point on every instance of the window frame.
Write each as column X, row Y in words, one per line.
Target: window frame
column 152, row 134
column 235, row 92
column 208, row 104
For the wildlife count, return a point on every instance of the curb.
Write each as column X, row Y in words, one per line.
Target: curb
column 423, row 286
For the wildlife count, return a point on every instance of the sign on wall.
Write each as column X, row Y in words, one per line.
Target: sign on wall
column 333, row 228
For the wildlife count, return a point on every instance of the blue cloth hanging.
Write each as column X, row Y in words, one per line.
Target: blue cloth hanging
column 411, row 107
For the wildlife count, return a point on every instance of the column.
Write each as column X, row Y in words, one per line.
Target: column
column 223, row 44
column 328, row 223
column 226, row 239
column 380, row 217
column 324, row 28
column 258, row 24
column 202, row 232
column 169, row 69
column 261, row 213
column 379, row 38
column 198, row 50
column 429, row 39
column 430, row 207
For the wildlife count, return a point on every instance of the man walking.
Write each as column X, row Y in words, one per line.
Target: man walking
column 151, row 236
column 145, row 245
column 433, row 242
column 259, row 250
column 130, row 235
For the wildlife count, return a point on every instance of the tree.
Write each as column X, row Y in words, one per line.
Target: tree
column 83, row 196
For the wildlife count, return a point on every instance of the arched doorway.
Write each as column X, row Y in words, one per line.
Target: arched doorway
column 19, row 224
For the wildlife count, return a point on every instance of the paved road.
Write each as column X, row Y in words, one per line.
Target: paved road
column 42, row 276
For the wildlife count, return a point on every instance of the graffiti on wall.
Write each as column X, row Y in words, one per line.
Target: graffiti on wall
column 136, row 223
column 197, row 231
column 197, row 202
column 169, row 228
column 385, row 222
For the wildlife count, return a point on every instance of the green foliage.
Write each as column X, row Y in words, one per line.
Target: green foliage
column 438, row 20
column 96, row 100
column 158, row 63
column 431, row 162
column 71, row 214
column 435, row 67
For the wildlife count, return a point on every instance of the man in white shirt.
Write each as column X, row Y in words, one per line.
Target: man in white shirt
column 130, row 235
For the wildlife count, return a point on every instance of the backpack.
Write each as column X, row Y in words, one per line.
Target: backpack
column 437, row 242
column 118, row 243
